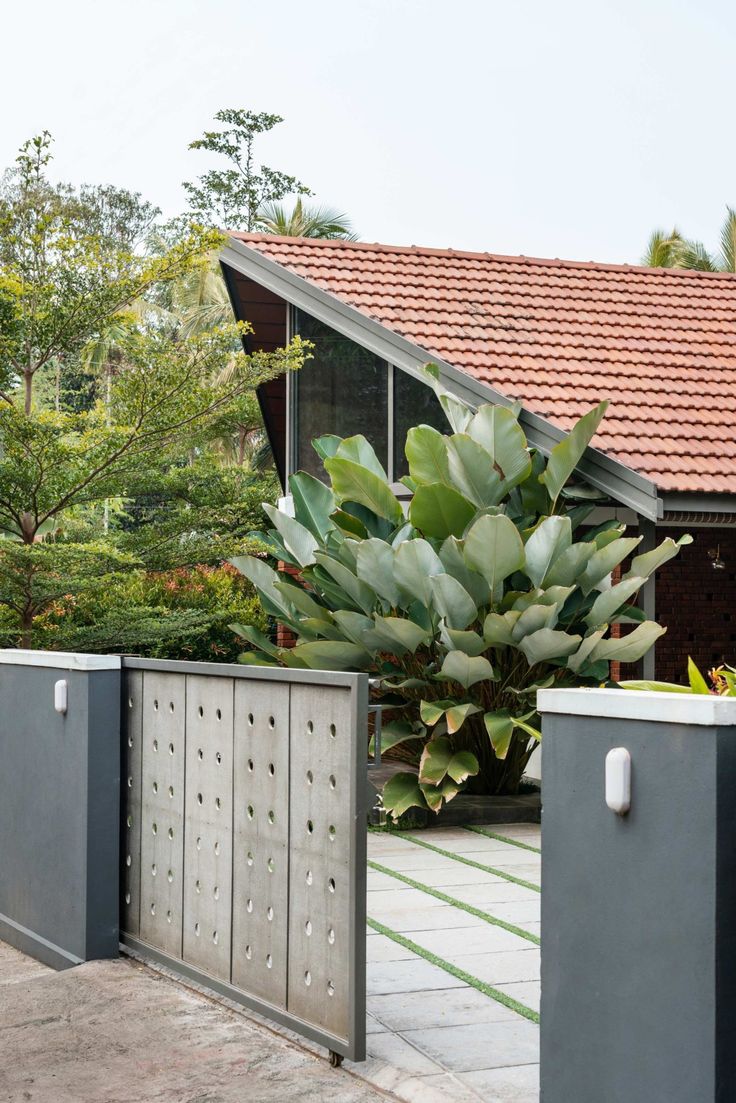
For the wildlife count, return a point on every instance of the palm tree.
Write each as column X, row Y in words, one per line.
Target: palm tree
column 305, row 220
column 674, row 251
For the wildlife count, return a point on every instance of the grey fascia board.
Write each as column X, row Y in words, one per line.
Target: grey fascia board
column 58, row 660
column 621, row 704
column 618, row 481
column 699, row 503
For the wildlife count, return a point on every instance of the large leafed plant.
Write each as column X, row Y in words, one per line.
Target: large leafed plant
column 462, row 600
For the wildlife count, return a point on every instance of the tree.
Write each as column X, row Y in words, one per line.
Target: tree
column 675, row 251
column 305, row 221
column 232, row 197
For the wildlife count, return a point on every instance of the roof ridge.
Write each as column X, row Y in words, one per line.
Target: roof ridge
column 465, row 254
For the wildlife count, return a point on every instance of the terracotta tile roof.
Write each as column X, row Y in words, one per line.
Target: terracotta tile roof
column 560, row 336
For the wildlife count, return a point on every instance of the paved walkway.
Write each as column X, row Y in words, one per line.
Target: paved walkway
column 453, row 964
column 453, row 1000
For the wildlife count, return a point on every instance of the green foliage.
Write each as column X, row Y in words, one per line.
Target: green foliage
column 672, row 250
column 722, row 679
column 305, row 221
column 490, row 590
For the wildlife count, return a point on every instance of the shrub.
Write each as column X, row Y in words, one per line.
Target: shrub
column 462, row 602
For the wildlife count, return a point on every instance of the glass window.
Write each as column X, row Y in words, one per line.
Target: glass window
column 414, row 404
column 341, row 390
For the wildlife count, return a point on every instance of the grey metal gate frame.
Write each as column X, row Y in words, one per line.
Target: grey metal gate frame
column 163, row 738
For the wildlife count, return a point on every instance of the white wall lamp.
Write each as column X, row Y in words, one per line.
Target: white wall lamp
column 618, row 780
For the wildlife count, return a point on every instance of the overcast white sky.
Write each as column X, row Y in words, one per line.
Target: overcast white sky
column 562, row 128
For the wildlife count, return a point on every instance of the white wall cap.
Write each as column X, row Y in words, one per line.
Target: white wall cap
column 58, row 660
column 634, row 704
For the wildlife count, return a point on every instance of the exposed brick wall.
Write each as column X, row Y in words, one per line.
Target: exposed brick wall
column 284, row 636
column 697, row 604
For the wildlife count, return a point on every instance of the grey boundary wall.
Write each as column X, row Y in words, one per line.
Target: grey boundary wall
column 59, row 806
column 639, row 909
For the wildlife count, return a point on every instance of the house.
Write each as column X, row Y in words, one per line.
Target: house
column 560, row 336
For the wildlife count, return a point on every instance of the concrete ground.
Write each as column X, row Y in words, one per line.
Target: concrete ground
column 453, row 997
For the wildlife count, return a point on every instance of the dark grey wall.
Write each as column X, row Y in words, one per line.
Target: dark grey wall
column 638, row 920
column 59, row 813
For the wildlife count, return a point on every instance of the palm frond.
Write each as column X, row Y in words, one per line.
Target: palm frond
column 664, row 250
column 305, row 220
column 728, row 242
column 696, row 256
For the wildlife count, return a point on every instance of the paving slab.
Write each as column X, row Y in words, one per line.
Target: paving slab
column 479, row 1045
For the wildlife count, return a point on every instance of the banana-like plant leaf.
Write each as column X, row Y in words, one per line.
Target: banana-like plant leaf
column 453, row 600
column 532, row 619
column 604, row 560
column 414, row 564
column 566, row 455
column 580, row 657
column 264, row 578
column 497, row 429
column 362, row 595
column 436, row 757
column 257, row 638
column 357, row 627
column 302, row 600
column 453, row 560
column 648, row 562
column 426, row 452
column 354, row 483
column 313, row 503
column 469, row 642
column 629, row 648
column 654, row 687
column 607, row 602
column 298, row 540
column 456, row 716
column 398, row 635
column 393, row 733
column 462, row 765
column 568, row 568
column 440, row 511
column 498, row 628
column 329, row 655
column 465, row 669
column 472, row 472
column 327, row 445
column 375, row 564
column 402, row 792
column 432, row 712
column 360, row 451
column 544, row 547
column 500, row 728
column 546, row 644
column 457, row 412
column 494, row 548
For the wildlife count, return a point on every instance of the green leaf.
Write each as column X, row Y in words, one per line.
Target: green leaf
column 655, row 687
column 451, row 554
column 607, row 602
column 326, row 446
column 432, row 712
column 298, row 540
column 436, row 757
column 457, row 715
column 544, row 547
column 467, row 670
column 548, row 644
column 358, row 592
column 330, row 655
column 532, row 619
column 603, row 561
column 313, row 503
column 360, row 451
column 352, row 482
column 453, row 601
column 500, row 728
column 426, row 452
column 349, row 524
column 570, row 565
column 497, row 429
column 697, row 682
column 257, row 638
column 577, row 660
column 264, row 578
column 402, row 792
column 472, row 472
column 397, row 635
column 648, row 562
column 630, row 648
column 458, row 413
column 469, row 642
column 440, row 511
column 414, row 564
column 463, row 765
column 356, row 626
column 498, row 628
column 494, row 547
column 303, row 601
column 375, row 565
column 566, row 455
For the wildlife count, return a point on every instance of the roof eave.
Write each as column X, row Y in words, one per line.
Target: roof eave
column 611, row 476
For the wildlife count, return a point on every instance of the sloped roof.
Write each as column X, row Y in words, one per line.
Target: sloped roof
column 561, row 336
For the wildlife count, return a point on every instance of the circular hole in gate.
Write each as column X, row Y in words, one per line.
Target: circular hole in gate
column 155, row 706
column 249, row 858
column 200, row 711
column 310, row 777
column 269, row 914
column 331, row 884
column 218, row 803
column 250, row 765
column 155, row 744
column 331, row 936
column 310, row 726
column 332, row 832
column 271, row 769
column 333, row 730
column 330, row 988
column 196, row 929
column 153, row 909
column 128, row 860
column 171, row 792
column 217, row 848
column 248, row 952
column 171, row 832
column 129, row 821
column 269, row 961
column 309, row 877
column 310, row 826
column 271, row 865
column 171, row 706
column 199, row 842
column 130, row 782
column 130, row 702
column 127, row 898
column 308, row 927
column 154, row 828
column 215, row 937
column 197, row 886
column 218, row 714
column 168, row 916
column 171, row 748
column 170, row 876
column 249, row 906
column 155, row 786
column 200, row 798
column 251, row 811
column 154, row 870
column 271, row 722
column 218, row 758
column 130, row 740
column 333, row 781
column 250, row 719
column 307, row 978
column 200, row 754
column 271, row 817
column 216, row 893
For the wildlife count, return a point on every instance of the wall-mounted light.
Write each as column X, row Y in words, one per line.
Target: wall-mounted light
column 714, row 554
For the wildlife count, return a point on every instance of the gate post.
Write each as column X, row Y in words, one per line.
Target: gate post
column 638, row 897
column 59, row 804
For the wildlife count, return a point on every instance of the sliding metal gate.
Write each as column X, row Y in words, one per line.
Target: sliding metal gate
column 244, row 837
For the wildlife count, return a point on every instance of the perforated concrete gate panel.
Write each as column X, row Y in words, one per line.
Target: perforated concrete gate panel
column 244, row 837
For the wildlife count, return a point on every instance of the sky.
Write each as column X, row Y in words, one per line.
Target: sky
column 548, row 128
